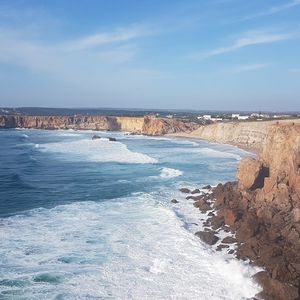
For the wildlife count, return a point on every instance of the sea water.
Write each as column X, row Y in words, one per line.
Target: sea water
column 92, row 219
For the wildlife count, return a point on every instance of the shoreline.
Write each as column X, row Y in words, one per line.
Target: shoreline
column 215, row 231
column 262, row 209
column 187, row 136
column 249, row 210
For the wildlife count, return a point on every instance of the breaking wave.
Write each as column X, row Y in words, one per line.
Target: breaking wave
column 101, row 150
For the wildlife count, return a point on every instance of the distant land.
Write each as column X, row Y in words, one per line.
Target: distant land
column 133, row 112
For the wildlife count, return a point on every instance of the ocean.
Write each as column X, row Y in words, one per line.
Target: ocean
column 93, row 219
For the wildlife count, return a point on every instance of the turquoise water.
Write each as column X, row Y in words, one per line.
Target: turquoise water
column 83, row 219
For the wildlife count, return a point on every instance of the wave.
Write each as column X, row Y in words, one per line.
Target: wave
column 208, row 152
column 101, row 150
column 170, row 173
column 75, row 250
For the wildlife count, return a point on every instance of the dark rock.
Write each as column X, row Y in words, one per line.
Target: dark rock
column 96, row 137
column 221, row 246
column 185, row 190
column 208, row 237
column 276, row 289
column 196, row 191
column 229, row 240
column 174, row 201
column 231, row 251
column 202, row 205
column 217, row 222
column 207, row 187
column 195, row 198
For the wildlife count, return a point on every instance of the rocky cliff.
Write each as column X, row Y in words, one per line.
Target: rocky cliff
column 139, row 125
column 247, row 135
column 263, row 208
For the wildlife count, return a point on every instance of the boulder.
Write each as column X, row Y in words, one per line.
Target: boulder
column 206, row 187
column 96, row 137
column 185, row 190
column 221, row 247
column 195, row 198
column 229, row 240
column 208, row 237
column 196, row 191
column 174, row 201
column 202, row 205
column 217, row 222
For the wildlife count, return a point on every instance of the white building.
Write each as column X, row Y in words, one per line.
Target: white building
column 207, row 117
column 217, row 119
column 243, row 117
column 235, row 116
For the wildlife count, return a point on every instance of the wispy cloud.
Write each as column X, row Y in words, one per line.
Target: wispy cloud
column 254, row 38
column 272, row 10
column 104, row 47
column 104, row 38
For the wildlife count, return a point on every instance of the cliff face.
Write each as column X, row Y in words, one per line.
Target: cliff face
column 147, row 125
column 247, row 135
column 264, row 206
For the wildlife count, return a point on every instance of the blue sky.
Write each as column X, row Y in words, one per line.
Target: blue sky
column 181, row 54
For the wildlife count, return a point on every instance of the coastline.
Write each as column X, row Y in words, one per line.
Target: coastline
column 249, row 136
column 175, row 247
column 262, row 210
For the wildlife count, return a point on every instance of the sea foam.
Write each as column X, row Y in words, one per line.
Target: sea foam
column 130, row 248
column 170, row 173
column 100, row 150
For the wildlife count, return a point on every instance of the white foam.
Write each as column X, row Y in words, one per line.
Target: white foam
column 100, row 150
column 170, row 173
column 133, row 248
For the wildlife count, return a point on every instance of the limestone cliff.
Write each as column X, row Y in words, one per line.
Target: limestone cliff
column 139, row 125
column 264, row 210
column 247, row 135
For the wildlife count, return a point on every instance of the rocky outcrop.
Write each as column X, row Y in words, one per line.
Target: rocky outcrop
column 263, row 208
column 138, row 125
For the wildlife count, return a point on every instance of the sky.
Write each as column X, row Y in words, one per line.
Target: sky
column 159, row 54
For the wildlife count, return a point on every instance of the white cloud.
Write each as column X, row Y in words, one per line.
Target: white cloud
column 103, row 47
column 104, row 38
column 254, row 38
column 273, row 10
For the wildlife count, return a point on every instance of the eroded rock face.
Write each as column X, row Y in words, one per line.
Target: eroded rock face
column 249, row 172
column 263, row 208
column 140, row 125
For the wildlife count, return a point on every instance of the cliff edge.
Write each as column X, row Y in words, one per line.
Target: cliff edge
column 247, row 135
column 264, row 210
column 137, row 125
